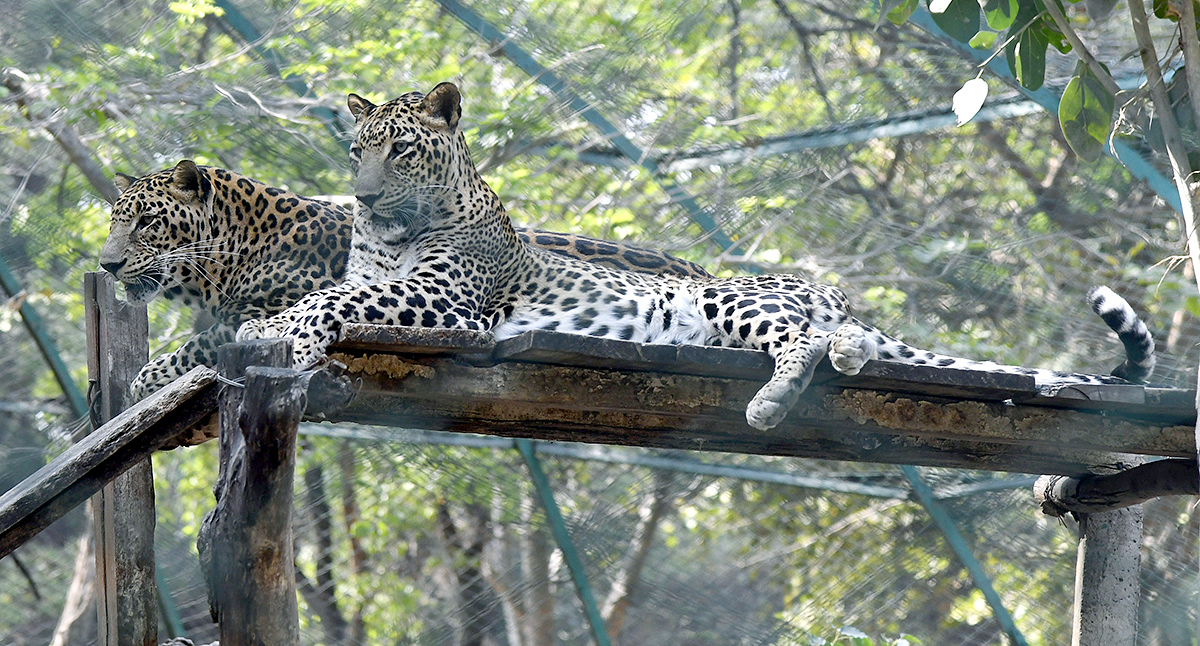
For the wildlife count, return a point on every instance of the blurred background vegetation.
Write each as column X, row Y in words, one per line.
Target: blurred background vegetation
column 798, row 136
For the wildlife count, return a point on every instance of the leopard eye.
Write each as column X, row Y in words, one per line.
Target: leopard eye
column 144, row 220
column 399, row 148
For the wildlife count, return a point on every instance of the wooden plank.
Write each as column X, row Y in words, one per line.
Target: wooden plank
column 124, row 518
column 1092, row 396
column 414, row 340
column 938, row 382
column 245, row 542
column 558, row 348
column 87, row 465
column 552, row 385
column 541, row 346
column 708, row 413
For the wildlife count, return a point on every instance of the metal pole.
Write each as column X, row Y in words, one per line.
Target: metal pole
column 959, row 544
column 37, row 329
column 558, row 528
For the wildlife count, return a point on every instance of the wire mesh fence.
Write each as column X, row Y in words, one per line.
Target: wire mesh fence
column 812, row 139
column 409, row 537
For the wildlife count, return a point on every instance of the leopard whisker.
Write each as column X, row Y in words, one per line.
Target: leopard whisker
column 164, row 262
column 204, row 273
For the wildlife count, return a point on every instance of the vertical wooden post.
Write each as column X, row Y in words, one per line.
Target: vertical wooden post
column 1107, row 585
column 123, row 512
column 245, row 543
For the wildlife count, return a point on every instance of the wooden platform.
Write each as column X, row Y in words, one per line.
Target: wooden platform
column 554, row 386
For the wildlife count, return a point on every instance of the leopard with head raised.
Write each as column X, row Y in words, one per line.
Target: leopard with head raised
column 434, row 247
column 238, row 249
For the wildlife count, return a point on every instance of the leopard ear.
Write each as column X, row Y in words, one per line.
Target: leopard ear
column 123, row 182
column 442, row 108
column 358, row 106
column 186, row 180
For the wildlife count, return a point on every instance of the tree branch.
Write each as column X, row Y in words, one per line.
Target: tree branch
column 1094, row 65
column 735, row 55
column 322, row 596
column 1176, row 152
column 1095, row 493
column 77, row 151
column 1047, row 189
column 656, row 505
column 350, row 516
column 802, row 33
column 538, row 593
column 1191, row 54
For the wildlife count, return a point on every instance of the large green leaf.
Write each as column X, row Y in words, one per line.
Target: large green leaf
column 1000, row 14
column 1085, row 113
column 960, row 20
column 1026, row 54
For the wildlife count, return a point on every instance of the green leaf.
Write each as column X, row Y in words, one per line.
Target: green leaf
column 984, row 40
column 1085, row 113
column 1026, row 54
column 960, row 20
column 1055, row 37
column 1000, row 14
column 897, row 11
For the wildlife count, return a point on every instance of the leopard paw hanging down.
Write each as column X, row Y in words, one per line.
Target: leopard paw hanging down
column 433, row 247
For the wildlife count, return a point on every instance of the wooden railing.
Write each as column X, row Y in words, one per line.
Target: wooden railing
column 561, row 387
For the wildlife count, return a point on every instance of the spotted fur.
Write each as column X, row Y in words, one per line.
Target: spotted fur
column 239, row 249
column 433, row 247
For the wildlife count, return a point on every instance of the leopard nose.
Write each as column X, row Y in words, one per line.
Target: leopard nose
column 113, row 266
column 369, row 200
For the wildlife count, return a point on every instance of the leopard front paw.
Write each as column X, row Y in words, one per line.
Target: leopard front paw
column 271, row 328
column 850, row 349
column 310, row 335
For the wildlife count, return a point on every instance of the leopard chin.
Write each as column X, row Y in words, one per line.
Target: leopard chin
column 142, row 289
column 402, row 222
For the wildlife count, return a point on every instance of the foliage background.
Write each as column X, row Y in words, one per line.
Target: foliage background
column 980, row 240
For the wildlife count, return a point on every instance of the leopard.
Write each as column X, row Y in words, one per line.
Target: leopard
column 239, row 249
column 433, row 246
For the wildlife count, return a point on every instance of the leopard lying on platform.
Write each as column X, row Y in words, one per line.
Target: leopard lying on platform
column 239, row 249
column 433, row 247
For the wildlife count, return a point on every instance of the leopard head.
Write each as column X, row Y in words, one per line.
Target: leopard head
column 160, row 224
column 411, row 163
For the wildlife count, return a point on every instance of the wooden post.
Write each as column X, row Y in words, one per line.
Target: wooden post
column 245, row 543
column 123, row 512
column 1107, row 587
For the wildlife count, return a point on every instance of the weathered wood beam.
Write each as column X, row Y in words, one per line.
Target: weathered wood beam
column 81, row 470
column 565, row 387
column 1087, row 494
column 123, row 512
column 245, row 542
